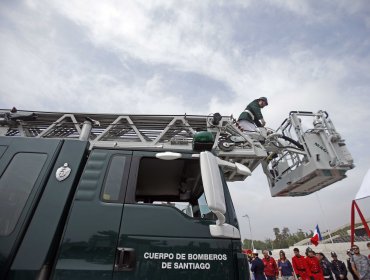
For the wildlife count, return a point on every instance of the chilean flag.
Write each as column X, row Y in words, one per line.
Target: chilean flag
column 316, row 236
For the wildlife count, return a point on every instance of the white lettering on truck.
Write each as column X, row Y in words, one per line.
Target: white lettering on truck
column 185, row 261
column 158, row 256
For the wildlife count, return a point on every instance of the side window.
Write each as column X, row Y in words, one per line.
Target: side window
column 113, row 181
column 175, row 183
column 16, row 184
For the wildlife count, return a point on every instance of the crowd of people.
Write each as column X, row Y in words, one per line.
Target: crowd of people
column 312, row 266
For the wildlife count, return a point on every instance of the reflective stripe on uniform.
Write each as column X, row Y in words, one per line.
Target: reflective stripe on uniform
column 250, row 114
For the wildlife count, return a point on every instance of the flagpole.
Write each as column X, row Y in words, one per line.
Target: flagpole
column 323, row 213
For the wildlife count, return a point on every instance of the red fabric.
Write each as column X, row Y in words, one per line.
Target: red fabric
column 315, row 240
column 355, row 206
column 316, row 236
column 271, row 268
column 314, row 268
column 300, row 267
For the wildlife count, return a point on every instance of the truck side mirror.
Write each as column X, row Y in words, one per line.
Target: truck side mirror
column 212, row 184
column 214, row 193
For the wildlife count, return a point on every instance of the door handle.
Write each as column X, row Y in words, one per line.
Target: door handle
column 125, row 259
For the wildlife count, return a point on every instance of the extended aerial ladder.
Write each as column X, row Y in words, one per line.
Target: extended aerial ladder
column 296, row 161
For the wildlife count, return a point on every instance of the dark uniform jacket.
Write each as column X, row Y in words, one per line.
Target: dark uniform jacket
column 338, row 267
column 257, row 269
column 255, row 109
column 326, row 269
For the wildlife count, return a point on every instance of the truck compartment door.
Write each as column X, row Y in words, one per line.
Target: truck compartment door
column 25, row 164
column 34, row 258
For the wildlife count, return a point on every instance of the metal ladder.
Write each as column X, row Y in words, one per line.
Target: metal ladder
column 157, row 132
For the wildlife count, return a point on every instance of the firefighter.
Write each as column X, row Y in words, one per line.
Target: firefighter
column 313, row 264
column 252, row 116
column 325, row 266
column 338, row 267
column 299, row 265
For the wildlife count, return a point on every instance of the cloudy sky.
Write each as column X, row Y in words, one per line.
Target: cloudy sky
column 200, row 57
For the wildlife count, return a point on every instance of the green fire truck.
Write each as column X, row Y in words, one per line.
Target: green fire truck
column 109, row 196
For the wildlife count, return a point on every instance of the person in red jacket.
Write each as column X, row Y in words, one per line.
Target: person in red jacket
column 271, row 269
column 314, row 268
column 299, row 265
